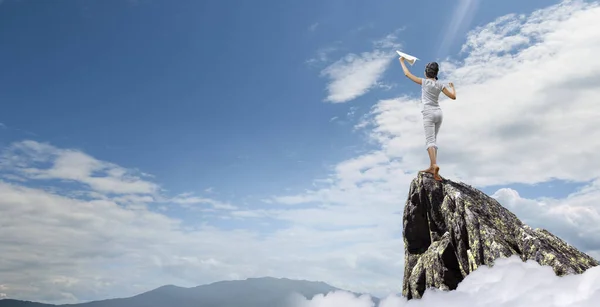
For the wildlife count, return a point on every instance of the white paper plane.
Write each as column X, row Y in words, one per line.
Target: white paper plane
column 409, row 58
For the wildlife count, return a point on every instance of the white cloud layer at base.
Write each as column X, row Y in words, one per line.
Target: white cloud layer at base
column 509, row 283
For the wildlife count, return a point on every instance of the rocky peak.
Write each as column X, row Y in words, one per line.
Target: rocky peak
column 450, row 229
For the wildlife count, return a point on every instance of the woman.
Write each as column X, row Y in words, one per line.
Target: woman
column 432, row 113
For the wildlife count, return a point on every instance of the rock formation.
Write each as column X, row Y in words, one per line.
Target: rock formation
column 451, row 228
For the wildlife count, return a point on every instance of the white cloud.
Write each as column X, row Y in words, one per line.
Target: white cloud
column 522, row 114
column 576, row 218
column 510, row 282
column 41, row 161
column 96, row 245
column 390, row 41
column 351, row 112
column 356, row 74
column 187, row 200
column 96, row 249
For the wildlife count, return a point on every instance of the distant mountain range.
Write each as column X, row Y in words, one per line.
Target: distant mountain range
column 252, row 292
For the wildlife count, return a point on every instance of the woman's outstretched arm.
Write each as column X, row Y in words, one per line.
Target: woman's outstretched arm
column 407, row 72
column 451, row 95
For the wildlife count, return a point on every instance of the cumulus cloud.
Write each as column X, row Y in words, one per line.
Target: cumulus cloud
column 356, row 74
column 576, row 217
column 522, row 115
column 510, row 282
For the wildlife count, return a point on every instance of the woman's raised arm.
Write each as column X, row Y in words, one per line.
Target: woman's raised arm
column 407, row 72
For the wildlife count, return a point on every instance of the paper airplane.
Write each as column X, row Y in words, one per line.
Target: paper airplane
column 409, row 58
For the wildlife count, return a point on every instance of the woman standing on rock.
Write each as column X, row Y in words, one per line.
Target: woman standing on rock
column 432, row 113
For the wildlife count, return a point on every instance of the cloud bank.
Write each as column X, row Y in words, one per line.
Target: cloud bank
column 67, row 239
column 509, row 283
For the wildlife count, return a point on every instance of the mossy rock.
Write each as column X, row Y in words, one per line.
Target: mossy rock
column 450, row 229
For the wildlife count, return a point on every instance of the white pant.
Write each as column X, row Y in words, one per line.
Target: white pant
column 432, row 120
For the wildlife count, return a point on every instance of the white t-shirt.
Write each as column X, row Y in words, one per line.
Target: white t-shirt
column 430, row 92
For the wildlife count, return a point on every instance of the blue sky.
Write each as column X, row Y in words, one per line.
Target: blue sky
column 201, row 93
column 275, row 121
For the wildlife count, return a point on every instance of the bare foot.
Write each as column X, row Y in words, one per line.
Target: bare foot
column 429, row 170
column 436, row 171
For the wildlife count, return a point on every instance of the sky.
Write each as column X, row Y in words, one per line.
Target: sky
column 152, row 142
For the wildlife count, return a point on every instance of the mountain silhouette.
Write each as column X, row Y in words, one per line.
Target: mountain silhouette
column 251, row 292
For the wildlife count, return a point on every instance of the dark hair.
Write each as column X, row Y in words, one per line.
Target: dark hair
column 431, row 70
